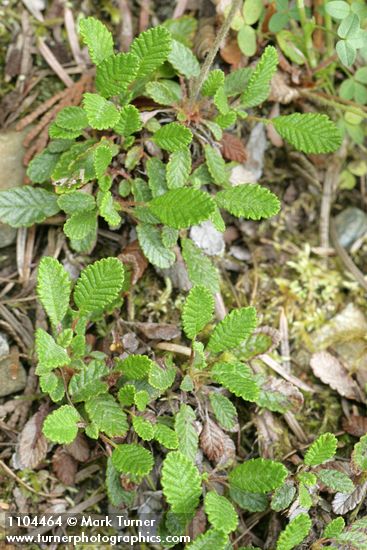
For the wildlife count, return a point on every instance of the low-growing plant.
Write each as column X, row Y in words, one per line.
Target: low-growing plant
column 109, row 139
column 120, row 400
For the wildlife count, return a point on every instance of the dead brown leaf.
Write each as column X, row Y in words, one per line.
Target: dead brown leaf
column 198, row 524
column 331, row 372
column 32, row 445
column 233, row 148
column 79, row 448
column 133, row 257
column 216, row 445
column 343, row 503
column 231, row 52
column 355, row 425
column 64, row 466
column 158, row 331
column 280, row 91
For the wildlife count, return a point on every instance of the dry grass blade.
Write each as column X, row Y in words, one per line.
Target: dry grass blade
column 73, row 37
column 53, row 63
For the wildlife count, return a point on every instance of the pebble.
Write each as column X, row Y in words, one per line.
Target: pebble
column 350, row 225
column 12, row 173
column 4, row 345
column 12, row 379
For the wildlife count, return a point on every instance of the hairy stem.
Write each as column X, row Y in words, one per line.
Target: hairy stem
column 199, row 81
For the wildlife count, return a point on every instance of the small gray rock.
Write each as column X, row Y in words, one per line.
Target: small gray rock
column 350, row 225
column 4, row 345
column 208, row 238
column 12, row 379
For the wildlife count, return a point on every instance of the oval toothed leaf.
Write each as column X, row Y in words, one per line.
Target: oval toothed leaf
column 99, row 284
column 249, row 201
column 197, row 311
column 181, row 208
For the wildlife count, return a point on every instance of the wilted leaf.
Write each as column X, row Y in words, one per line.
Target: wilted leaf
column 64, row 466
column 133, row 256
column 233, row 148
column 79, row 448
column 355, row 425
column 158, row 331
column 32, row 446
column 330, row 371
column 216, row 445
column 343, row 503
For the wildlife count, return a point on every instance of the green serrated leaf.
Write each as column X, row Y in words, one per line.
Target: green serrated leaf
column 178, row 169
column 81, row 224
column 216, row 165
column 233, row 329
column 41, row 167
column 225, row 412
column 129, row 121
column 337, row 481
column 152, row 48
column 25, row 206
column 359, row 455
column 188, row 438
column 295, row 532
column 150, row 240
column 50, row 355
column 182, row 208
column 310, row 133
column 135, row 367
column 201, row 270
column 126, row 395
column 236, row 81
column 173, row 137
column 102, row 114
column 156, row 171
column 165, row 92
column 53, row 289
column 166, row 436
column 220, row 101
column 61, row 425
column 160, row 378
column 76, row 202
column 99, row 284
column 115, row 73
column 141, row 400
column 283, row 497
column 335, row 527
column 258, row 475
column 108, row 209
column 107, row 415
column 98, row 39
column 87, row 383
column 249, row 201
column 169, row 236
column 72, row 118
column 238, row 378
column 258, row 87
column 321, row 450
column 183, row 60
column 143, row 428
column 214, row 81
column 181, row 483
column 132, row 459
column 220, row 512
column 102, row 159
column 197, row 311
